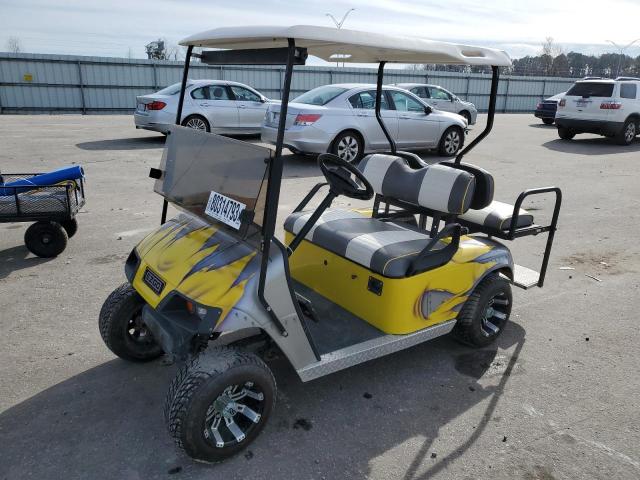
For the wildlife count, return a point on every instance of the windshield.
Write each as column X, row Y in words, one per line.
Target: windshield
column 320, row 95
column 591, row 89
column 172, row 89
column 220, row 179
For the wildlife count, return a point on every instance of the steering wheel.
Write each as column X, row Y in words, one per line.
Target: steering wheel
column 339, row 172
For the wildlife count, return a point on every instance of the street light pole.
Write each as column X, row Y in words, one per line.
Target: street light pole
column 621, row 50
column 338, row 25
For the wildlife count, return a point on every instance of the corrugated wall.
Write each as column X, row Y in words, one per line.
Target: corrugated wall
column 31, row 83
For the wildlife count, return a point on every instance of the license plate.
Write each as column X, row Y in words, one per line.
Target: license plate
column 582, row 103
column 153, row 281
column 225, row 209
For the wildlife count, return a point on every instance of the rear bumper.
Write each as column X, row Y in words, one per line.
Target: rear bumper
column 599, row 127
column 545, row 114
column 147, row 123
column 305, row 139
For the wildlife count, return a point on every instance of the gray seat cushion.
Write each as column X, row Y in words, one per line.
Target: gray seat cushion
column 385, row 248
column 497, row 216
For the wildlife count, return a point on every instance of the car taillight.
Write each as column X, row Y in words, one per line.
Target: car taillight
column 157, row 105
column 610, row 106
column 562, row 102
column 306, row 119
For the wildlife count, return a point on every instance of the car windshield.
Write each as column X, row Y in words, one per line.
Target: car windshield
column 591, row 89
column 320, row 95
column 222, row 180
column 172, row 89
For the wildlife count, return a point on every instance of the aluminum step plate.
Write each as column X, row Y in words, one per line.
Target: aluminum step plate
column 370, row 349
column 524, row 277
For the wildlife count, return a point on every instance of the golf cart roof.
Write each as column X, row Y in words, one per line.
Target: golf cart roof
column 351, row 46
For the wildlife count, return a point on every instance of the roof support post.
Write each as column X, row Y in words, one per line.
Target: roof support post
column 273, row 186
column 183, row 88
column 490, row 114
column 392, row 143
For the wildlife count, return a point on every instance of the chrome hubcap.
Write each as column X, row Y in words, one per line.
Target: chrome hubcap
column 630, row 132
column 452, row 142
column 233, row 414
column 196, row 124
column 348, row 148
column 495, row 315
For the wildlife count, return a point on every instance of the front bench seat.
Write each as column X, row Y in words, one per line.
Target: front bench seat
column 383, row 247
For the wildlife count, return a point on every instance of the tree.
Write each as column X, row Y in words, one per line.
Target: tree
column 14, row 45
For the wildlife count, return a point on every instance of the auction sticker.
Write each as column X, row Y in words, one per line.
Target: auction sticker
column 225, row 209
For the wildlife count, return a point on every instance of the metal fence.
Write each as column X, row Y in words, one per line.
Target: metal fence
column 38, row 83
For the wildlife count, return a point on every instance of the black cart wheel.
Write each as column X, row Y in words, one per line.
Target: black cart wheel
column 548, row 121
column 122, row 328
column 70, row 226
column 565, row 134
column 219, row 402
column 485, row 313
column 46, row 239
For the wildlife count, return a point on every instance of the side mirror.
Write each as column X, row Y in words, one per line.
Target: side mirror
column 263, row 99
column 427, row 110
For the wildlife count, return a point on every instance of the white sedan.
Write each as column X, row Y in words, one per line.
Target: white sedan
column 340, row 119
column 212, row 105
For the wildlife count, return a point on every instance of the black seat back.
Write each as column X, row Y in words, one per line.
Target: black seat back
column 483, row 193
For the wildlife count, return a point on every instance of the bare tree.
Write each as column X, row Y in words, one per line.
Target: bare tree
column 14, row 45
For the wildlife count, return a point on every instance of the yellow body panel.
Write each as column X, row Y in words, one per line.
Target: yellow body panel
column 189, row 256
column 406, row 304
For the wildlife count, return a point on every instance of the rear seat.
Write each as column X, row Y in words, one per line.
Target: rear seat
column 497, row 216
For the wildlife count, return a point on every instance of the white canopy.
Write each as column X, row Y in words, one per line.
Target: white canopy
column 353, row 46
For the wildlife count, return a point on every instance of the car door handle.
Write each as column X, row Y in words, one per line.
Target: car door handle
column 205, row 105
column 406, row 117
column 362, row 115
column 242, row 106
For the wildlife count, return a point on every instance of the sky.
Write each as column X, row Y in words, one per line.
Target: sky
column 121, row 28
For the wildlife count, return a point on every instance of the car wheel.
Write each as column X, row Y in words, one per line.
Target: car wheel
column 548, row 121
column 467, row 116
column 451, row 142
column 628, row 133
column 348, row 146
column 197, row 123
column 565, row 133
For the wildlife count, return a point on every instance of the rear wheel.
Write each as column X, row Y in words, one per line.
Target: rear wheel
column 627, row 135
column 122, row 328
column 565, row 134
column 548, row 121
column 219, row 402
column 451, row 142
column 348, row 146
column 46, row 239
column 485, row 313
column 196, row 122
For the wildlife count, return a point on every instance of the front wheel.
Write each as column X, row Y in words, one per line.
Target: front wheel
column 467, row 116
column 122, row 328
column 219, row 402
column 485, row 313
column 348, row 146
column 548, row 121
column 565, row 134
column 451, row 142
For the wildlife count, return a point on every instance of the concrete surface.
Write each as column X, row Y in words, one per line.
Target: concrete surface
column 557, row 398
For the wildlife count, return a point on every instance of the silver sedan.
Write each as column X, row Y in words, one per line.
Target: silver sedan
column 340, row 119
column 442, row 99
column 212, row 105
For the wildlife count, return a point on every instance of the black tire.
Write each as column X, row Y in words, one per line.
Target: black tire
column 200, row 389
column 548, row 121
column 46, row 239
column 349, row 146
column 70, row 226
column 473, row 327
column 628, row 133
column 451, row 142
column 466, row 115
column 122, row 328
column 197, row 122
column 565, row 133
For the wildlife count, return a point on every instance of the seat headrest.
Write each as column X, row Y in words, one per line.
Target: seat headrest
column 435, row 187
column 483, row 194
